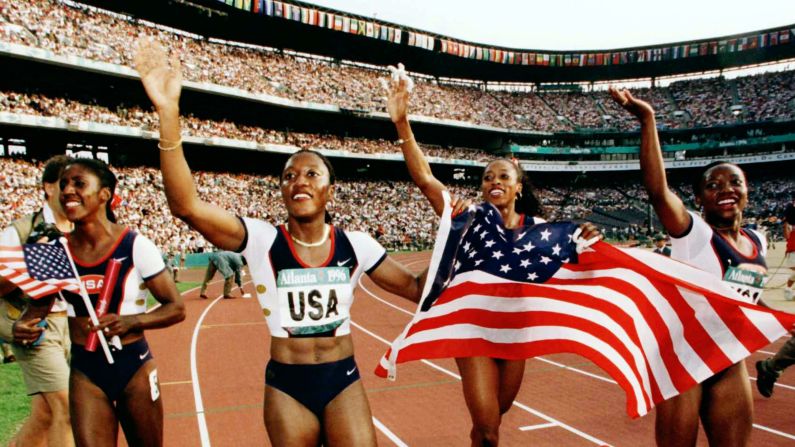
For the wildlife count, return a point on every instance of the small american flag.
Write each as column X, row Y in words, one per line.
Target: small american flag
column 38, row 269
column 655, row 325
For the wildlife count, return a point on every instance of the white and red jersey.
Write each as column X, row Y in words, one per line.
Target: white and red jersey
column 140, row 260
column 303, row 301
column 708, row 250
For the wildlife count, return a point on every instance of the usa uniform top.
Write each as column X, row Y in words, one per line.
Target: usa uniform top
column 708, row 250
column 302, row 301
column 140, row 261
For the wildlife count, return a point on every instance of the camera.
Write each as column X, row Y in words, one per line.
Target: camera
column 43, row 229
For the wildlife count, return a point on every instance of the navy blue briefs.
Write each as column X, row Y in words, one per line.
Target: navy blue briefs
column 112, row 379
column 314, row 386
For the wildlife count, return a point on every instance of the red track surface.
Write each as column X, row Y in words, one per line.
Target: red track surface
column 556, row 406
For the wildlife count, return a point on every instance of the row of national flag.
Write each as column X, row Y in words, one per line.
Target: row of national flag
column 319, row 18
column 589, row 59
column 376, row 30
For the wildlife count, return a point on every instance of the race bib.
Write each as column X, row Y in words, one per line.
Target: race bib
column 748, row 283
column 154, row 387
column 315, row 300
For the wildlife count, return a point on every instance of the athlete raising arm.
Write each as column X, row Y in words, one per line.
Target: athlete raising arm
column 304, row 273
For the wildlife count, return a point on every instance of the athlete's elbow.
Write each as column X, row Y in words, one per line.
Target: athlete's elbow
column 416, row 290
column 179, row 209
column 178, row 312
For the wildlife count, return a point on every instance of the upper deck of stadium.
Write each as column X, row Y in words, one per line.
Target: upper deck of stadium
column 343, row 36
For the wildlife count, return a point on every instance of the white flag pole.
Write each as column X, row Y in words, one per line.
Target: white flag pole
column 87, row 302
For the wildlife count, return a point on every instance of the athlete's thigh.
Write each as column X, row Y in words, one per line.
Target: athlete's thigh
column 480, row 380
column 511, row 375
column 727, row 408
column 676, row 422
column 347, row 419
column 287, row 421
column 93, row 418
column 140, row 408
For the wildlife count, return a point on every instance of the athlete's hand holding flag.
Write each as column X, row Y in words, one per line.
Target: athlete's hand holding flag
column 40, row 270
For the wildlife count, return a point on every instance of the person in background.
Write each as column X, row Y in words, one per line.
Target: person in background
column 769, row 369
column 660, row 246
column 230, row 265
column 44, row 366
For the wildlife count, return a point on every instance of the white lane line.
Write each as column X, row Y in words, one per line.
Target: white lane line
column 543, row 416
column 183, row 293
column 789, row 387
column 774, row 431
column 388, row 343
column 516, row 403
column 392, row 437
column 204, row 434
column 537, row 427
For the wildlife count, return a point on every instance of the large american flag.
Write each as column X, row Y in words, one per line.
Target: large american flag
column 655, row 325
column 38, row 269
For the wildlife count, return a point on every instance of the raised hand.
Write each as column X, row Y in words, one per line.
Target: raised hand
column 161, row 75
column 641, row 109
column 398, row 90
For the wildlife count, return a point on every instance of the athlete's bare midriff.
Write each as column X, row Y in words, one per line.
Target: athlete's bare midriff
column 307, row 351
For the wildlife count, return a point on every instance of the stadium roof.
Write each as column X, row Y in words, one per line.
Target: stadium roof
column 308, row 28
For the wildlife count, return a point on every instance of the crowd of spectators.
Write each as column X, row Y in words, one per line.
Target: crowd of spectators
column 393, row 211
column 68, row 28
column 133, row 116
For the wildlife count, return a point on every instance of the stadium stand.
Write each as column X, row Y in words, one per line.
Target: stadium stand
column 704, row 111
column 104, row 36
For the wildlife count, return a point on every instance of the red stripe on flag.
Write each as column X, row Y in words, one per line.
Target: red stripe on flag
column 680, row 376
column 530, row 319
column 693, row 331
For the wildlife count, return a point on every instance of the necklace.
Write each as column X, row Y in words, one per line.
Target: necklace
column 310, row 244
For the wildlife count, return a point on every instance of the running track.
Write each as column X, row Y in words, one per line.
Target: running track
column 211, row 370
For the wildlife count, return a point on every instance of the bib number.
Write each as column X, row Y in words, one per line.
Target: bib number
column 748, row 283
column 154, row 387
column 314, row 301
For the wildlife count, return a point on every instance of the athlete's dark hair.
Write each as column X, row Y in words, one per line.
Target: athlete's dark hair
column 107, row 179
column 697, row 181
column 789, row 214
column 332, row 177
column 526, row 203
column 53, row 168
